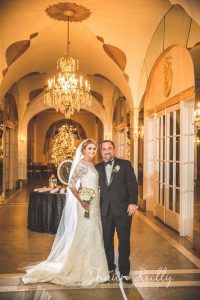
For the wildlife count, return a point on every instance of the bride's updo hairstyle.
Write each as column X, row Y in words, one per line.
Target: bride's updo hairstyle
column 87, row 142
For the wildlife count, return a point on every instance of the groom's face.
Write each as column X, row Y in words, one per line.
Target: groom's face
column 107, row 151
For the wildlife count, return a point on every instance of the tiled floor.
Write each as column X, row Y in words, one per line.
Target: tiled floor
column 163, row 265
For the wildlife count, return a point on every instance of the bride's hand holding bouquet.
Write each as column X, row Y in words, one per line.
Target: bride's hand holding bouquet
column 86, row 195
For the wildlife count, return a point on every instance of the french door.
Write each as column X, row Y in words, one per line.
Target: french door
column 167, row 206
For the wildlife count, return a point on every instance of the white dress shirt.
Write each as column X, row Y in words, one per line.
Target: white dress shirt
column 108, row 169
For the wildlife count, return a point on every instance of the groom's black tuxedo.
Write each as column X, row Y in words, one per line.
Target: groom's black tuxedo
column 122, row 189
column 115, row 197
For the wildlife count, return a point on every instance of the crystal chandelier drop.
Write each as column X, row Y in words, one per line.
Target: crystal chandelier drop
column 67, row 92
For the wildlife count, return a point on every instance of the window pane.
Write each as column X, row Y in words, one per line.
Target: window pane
column 163, row 141
column 163, row 195
column 159, row 126
column 177, row 175
column 159, row 142
column 163, row 172
column 177, row 201
column 171, row 124
column 178, row 122
column 160, row 171
column 171, row 148
column 170, row 173
column 163, row 119
column 177, row 148
column 170, row 198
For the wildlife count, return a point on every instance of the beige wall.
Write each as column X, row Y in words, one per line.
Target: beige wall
column 182, row 78
column 44, row 120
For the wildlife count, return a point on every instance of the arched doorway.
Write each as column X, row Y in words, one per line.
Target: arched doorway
column 43, row 126
column 169, row 167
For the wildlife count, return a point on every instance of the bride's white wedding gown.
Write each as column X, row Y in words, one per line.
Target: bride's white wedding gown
column 85, row 262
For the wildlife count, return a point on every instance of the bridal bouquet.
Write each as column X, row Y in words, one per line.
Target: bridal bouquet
column 87, row 195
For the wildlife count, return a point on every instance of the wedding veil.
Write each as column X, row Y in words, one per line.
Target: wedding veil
column 68, row 222
column 64, row 236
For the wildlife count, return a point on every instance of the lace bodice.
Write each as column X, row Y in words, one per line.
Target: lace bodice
column 87, row 174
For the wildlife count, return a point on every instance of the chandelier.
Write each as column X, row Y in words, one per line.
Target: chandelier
column 67, row 92
column 196, row 121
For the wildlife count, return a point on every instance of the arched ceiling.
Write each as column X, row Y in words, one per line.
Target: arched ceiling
column 124, row 28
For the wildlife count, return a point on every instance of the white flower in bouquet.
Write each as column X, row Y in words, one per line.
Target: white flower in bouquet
column 87, row 194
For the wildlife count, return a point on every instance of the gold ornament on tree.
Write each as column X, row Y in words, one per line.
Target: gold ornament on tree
column 63, row 145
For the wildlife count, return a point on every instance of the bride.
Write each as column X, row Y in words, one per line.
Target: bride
column 77, row 255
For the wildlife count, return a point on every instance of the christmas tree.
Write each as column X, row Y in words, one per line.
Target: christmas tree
column 63, row 145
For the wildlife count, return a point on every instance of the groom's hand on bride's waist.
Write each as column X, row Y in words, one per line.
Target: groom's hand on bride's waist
column 132, row 209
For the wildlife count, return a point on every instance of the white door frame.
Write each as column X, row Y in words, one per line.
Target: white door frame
column 186, row 166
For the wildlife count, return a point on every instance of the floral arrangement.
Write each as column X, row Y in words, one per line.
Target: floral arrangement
column 116, row 169
column 87, row 194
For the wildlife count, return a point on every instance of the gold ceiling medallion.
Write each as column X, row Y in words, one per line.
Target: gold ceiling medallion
column 58, row 12
column 168, row 75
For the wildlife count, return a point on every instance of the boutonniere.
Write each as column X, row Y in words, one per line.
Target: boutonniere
column 116, row 169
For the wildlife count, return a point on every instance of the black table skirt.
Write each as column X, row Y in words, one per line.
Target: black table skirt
column 44, row 211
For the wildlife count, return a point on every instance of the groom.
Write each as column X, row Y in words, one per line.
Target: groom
column 119, row 195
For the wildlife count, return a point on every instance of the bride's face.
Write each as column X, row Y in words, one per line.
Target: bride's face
column 90, row 151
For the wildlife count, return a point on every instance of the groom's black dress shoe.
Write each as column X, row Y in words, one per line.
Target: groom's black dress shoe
column 126, row 279
column 113, row 276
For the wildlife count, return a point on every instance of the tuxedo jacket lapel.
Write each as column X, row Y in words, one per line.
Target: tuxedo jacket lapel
column 104, row 174
column 113, row 173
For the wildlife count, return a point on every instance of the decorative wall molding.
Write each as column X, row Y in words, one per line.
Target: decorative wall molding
column 183, row 96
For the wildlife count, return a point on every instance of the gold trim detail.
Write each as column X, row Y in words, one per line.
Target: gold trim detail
column 168, row 75
column 188, row 93
column 58, row 12
column 120, row 126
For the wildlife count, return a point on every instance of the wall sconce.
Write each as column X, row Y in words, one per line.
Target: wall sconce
column 21, row 139
column 1, row 152
column 141, row 132
column 135, row 132
column 197, row 140
column 196, row 121
column 1, row 126
column 138, row 132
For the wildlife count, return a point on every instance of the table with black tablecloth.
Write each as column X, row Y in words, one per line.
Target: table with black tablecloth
column 44, row 211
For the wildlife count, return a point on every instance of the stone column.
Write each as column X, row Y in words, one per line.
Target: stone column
column 22, row 157
column 135, row 139
column 131, row 138
column 3, row 194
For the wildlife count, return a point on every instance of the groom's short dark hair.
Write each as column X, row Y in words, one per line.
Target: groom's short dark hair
column 107, row 141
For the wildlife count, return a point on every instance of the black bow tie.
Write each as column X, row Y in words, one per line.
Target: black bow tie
column 109, row 162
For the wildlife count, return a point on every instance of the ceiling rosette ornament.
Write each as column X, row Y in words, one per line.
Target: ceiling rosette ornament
column 57, row 12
